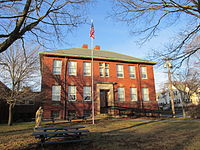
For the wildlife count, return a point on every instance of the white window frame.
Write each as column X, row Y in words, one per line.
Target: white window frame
column 72, row 67
column 56, row 92
column 87, row 93
column 145, row 94
column 121, row 94
column 133, row 94
column 57, row 67
column 120, row 71
column 131, row 69
column 143, row 71
column 104, row 69
column 71, row 93
column 87, row 68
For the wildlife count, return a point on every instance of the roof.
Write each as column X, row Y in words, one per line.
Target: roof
column 4, row 90
column 98, row 54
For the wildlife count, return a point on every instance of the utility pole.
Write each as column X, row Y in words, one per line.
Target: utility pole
column 168, row 65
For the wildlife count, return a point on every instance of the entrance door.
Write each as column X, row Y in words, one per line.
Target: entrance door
column 103, row 101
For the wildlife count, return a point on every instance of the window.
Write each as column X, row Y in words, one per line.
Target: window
column 56, row 93
column 55, row 113
column 104, row 69
column 120, row 71
column 131, row 71
column 57, row 66
column 87, row 93
column 71, row 93
column 87, row 69
column 143, row 72
column 145, row 94
column 87, row 113
column 71, row 114
column 133, row 94
column 72, row 68
column 121, row 94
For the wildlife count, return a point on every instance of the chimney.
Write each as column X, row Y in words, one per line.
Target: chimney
column 84, row 46
column 97, row 47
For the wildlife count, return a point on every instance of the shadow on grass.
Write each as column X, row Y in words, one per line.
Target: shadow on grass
column 137, row 125
column 147, row 136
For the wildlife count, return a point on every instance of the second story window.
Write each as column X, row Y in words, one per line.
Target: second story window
column 121, row 94
column 72, row 68
column 56, row 93
column 86, row 93
column 104, row 69
column 71, row 93
column 143, row 71
column 57, row 66
column 120, row 71
column 87, row 69
column 131, row 71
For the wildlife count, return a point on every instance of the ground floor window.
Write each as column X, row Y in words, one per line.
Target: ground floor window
column 56, row 89
column 121, row 94
column 87, row 113
column 72, row 113
column 55, row 114
column 145, row 94
column 133, row 94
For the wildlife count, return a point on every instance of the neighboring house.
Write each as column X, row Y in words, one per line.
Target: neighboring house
column 24, row 110
column 119, row 80
column 3, row 103
column 163, row 98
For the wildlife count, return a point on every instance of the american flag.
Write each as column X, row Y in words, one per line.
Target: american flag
column 92, row 31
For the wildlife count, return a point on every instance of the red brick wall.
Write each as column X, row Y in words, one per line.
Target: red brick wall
column 48, row 80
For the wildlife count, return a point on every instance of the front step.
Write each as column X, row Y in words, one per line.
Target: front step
column 101, row 116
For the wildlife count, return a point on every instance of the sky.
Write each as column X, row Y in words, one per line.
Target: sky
column 115, row 36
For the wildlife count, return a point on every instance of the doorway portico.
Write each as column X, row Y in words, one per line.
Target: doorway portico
column 105, row 97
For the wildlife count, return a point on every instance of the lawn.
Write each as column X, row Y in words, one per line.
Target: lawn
column 116, row 134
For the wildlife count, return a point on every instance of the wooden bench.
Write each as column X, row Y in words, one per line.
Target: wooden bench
column 69, row 133
column 60, row 128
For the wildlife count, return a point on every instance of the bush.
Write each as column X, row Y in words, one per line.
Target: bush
column 194, row 112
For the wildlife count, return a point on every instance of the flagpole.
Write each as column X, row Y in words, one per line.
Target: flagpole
column 92, row 78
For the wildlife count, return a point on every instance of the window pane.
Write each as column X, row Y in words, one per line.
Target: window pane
column 72, row 68
column 56, row 93
column 107, row 72
column 55, row 113
column 87, row 69
column 133, row 94
column 145, row 94
column 143, row 72
column 71, row 93
column 120, row 71
column 132, row 71
column 57, row 65
column 121, row 95
column 87, row 93
column 101, row 72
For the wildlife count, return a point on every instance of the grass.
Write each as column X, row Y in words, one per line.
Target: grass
column 116, row 134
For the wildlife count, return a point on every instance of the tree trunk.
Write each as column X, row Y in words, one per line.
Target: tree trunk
column 10, row 117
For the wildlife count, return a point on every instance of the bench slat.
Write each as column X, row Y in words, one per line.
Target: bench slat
column 60, row 142
column 59, row 132
column 71, row 135
column 60, row 128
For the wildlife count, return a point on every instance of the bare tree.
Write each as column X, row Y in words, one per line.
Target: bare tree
column 147, row 18
column 187, row 82
column 40, row 20
column 19, row 72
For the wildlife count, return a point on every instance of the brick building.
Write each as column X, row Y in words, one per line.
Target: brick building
column 119, row 80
